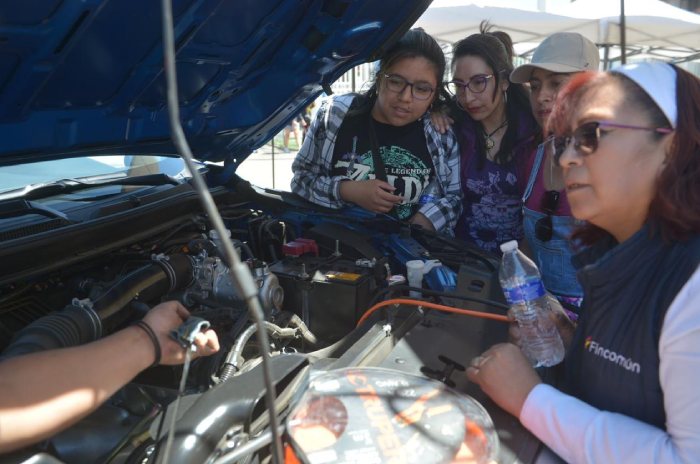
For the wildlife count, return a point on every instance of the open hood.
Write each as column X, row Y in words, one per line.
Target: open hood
column 86, row 76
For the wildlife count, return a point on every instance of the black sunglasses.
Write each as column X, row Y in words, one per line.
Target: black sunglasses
column 587, row 136
column 543, row 226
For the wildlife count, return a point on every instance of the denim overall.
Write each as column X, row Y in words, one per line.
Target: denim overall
column 553, row 257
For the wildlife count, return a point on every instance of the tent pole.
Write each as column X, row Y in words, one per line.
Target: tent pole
column 606, row 57
column 623, row 39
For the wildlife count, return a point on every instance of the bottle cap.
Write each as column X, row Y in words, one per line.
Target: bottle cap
column 509, row 246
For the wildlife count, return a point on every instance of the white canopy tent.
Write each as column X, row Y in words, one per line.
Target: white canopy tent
column 653, row 28
column 452, row 20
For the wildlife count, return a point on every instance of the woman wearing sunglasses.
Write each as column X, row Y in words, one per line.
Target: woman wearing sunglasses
column 547, row 217
column 379, row 150
column 496, row 132
column 629, row 146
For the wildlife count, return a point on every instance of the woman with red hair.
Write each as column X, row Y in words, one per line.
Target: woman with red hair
column 629, row 146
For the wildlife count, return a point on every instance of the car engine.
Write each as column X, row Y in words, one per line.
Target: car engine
column 100, row 221
column 317, row 273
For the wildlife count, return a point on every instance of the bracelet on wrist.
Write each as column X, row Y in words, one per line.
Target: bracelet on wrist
column 154, row 339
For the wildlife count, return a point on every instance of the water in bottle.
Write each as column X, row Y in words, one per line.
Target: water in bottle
column 522, row 286
column 430, row 193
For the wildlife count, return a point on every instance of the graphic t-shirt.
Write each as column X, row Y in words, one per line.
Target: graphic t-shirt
column 409, row 168
column 492, row 211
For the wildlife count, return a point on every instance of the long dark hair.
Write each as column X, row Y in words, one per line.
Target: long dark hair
column 674, row 208
column 416, row 43
column 677, row 201
column 496, row 49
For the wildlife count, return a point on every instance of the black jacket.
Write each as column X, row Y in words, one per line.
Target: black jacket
column 613, row 361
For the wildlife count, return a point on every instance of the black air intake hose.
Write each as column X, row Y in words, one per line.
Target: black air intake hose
column 148, row 283
column 83, row 322
column 73, row 326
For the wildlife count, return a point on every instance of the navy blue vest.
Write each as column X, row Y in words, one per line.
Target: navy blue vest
column 613, row 361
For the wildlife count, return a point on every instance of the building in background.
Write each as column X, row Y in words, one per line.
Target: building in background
column 690, row 5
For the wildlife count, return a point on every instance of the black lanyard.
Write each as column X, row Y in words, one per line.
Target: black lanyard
column 379, row 169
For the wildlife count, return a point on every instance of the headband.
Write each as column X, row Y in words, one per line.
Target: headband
column 658, row 80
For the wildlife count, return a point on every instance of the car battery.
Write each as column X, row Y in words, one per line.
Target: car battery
column 329, row 294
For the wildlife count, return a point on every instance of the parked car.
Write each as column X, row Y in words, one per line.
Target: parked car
column 99, row 220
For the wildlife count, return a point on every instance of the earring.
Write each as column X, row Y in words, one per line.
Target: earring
column 505, row 96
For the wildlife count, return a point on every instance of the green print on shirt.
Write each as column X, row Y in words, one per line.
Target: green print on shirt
column 406, row 172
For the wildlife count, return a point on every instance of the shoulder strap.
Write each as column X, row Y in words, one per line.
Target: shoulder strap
column 533, row 173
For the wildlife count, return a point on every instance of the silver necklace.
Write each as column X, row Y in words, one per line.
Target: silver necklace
column 489, row 143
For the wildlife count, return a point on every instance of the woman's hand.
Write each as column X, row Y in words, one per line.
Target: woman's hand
column 564, row 325
column 505, row 375
column 373, row 195
column 168, row 316
column 441, row 121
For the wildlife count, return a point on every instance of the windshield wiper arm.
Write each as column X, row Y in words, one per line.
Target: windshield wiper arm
column 37, row 191
column 22, row 207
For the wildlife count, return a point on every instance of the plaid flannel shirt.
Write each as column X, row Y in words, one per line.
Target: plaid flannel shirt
column 312, row 166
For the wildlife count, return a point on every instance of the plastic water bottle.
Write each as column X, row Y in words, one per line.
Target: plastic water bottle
column 430, row 193
column 522, row 286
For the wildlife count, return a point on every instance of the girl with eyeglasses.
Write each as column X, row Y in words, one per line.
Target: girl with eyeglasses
column 379, row 150
column 496, row 133
column 629, row 147
column 547, row 219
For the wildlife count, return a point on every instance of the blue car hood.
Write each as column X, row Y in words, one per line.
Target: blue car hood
column 86, row 76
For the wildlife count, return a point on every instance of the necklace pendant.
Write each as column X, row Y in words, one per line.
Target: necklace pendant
column 488, row 141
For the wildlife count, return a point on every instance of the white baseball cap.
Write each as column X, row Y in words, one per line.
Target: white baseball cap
column 562, row 52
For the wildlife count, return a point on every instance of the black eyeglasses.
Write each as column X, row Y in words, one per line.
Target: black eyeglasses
column 419, row 90
column 587, row 136
column 477, row 84
column 543, row 226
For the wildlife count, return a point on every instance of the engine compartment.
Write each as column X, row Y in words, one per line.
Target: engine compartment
column 112, row 225
column 317, row 273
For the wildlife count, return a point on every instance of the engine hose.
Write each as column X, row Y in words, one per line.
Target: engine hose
column 74, row 325
column 246, row 248
column 439, row 307
column 234, row 360
column 149, row 282
column 82, row 323
column 303, row 329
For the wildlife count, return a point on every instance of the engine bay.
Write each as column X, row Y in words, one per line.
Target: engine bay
column 100, row 221
column 317, row 273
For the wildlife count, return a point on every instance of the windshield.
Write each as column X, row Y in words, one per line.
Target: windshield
column 93, row 167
